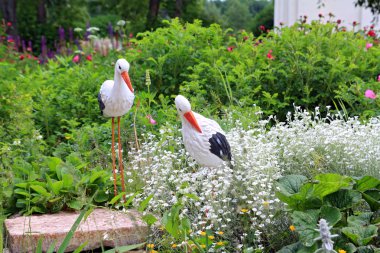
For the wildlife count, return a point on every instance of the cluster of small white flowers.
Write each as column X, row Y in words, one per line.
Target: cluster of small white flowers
column 220, row 199
column 311, row 144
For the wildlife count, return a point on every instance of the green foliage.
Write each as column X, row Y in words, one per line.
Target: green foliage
column 340, row 200
column 55, row 185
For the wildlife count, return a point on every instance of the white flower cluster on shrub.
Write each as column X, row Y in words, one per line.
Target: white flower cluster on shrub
column 242, row 199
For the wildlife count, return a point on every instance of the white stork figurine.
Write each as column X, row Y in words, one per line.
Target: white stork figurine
column 116, row 99
column 203, row 138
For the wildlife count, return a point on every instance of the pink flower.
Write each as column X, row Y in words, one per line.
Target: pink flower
column 76, row 59
column 151, row 120
column 262, row 28
column 269, row 55
column 378, row 78
column 21, row 57
column 89, row 57
column 368, row 45
column 9, row 24
column 370, row 94
column 230, row 49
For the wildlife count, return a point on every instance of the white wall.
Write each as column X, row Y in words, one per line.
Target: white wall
column 289, row 12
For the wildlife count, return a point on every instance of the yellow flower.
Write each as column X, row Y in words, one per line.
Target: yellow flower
column 220, row 243
column 211, row 237
column 203, row 233
column 266, row 204
column 292, row 228
column 341, row 251
column 174, row 245
column 244, row 210
column 150, row 245
column 203, row 246
column 153, row 251
column 220, row 232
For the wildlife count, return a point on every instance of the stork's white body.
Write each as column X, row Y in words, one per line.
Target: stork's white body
column 116, row 97
column 198, row 144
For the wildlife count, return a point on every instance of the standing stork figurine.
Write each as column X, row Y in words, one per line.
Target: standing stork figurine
column 204, row 139
column 116, row 99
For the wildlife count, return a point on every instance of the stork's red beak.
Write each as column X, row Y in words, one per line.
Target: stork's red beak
column 125, row 76
column 190, row 117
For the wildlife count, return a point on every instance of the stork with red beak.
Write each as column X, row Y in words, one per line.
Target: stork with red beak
column 116, row 99
column 203, row 138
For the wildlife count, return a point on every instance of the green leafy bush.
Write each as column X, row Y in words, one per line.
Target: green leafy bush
column 349, row 205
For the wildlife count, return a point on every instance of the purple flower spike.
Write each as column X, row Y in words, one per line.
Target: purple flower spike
column 23, row 44
column 61, row 33
column 110, row 30
column 30, row 48
column 71, row 36
column 87, row 33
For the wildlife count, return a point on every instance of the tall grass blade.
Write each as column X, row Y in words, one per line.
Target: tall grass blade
column 70, row 234
column 125, row 248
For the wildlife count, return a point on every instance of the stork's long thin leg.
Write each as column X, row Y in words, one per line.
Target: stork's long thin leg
column 114, row 158
column 121, row 159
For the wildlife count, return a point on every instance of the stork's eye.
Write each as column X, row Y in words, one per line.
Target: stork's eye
column 119, row 67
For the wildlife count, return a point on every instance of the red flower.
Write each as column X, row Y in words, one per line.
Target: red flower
column 354, row 23
column 372, row 26
column 131, row 35
column 339, row 21
column 230, row 49
column 9, row 24
column 10, row 40
column 21, row 57
column 269, row 55
column 371, row 33
column 89, row 57
column 262, row 28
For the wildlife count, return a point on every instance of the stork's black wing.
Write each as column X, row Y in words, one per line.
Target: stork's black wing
column 101, row 104
column 220, row 147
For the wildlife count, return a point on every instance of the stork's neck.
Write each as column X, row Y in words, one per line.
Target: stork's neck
column 119, row 87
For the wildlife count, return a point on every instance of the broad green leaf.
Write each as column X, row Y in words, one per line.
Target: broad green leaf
column 53, row 162
column 96, row 175
column 150, row 219
column 291, row 248
column 101, row 196
column 343, row 199
column 40, row 190
column 291, row 184
column 329, row 183
column 367, row 183
column 306, row 223
column 372, row 202
column 57, row 187
column 123, row 249
column 331, row 214
column 75, row 204
column 363, row 219
column 145, row 203
column 360, row 235
column 67, row 180
column 22, row 192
